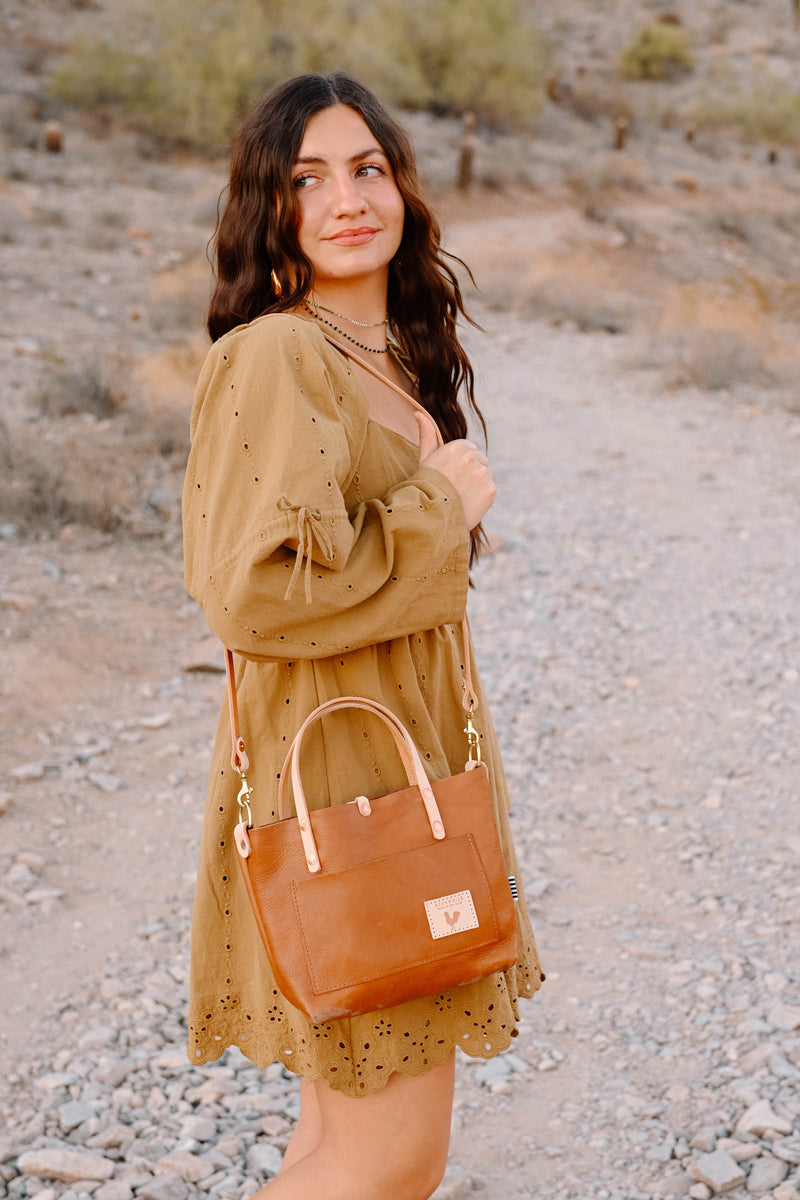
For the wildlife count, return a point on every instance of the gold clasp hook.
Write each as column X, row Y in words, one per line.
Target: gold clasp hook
column 473, row 739
column 243, row 800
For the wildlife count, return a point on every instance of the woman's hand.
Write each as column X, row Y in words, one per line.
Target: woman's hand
column 464, row 465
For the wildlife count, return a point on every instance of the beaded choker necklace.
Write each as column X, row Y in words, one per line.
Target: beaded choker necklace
column 341, row 332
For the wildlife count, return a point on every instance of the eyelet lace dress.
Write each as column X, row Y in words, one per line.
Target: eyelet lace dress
column 331, row 564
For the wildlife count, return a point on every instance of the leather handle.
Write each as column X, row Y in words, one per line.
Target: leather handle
column 408, row 751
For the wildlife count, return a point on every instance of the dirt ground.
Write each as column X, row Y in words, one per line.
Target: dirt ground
column 637, row 624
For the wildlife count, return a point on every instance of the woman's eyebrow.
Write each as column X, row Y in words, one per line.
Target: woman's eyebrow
column 308, row 159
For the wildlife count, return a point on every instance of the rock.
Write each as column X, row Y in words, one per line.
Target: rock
column 205, row 655
column 786, row 1191
column 105, row 781
column 111, row 1138
column 67, row 1165
column 17, row 602
column 493, row 1070
column 788, row 1150
column 6, row 800
column 704, row 1140
column 784, row 1016
column 156, row 721
column 700, row 1191
column 766, row 1174
column 718, row 1170
column 54, row 1080
column 201, row 1128
column 115, row 1189
column 166, row 1187
column 675, row 1183
column 72, row 1114
column 187, row 1165
column 264, row 1159
column 27, row 772
column 759, row 1117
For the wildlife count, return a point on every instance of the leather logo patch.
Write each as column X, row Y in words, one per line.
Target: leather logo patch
column 451, row 914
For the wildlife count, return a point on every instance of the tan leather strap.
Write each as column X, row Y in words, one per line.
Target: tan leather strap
column 239, row 759
column 469, row 699
column 408, row 752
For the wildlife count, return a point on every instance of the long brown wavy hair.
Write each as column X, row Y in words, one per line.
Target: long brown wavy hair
column 257, row 233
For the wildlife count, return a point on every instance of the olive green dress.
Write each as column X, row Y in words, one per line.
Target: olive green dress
column 331, row 564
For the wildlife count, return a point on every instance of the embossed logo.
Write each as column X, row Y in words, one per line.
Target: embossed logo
column 451, row 914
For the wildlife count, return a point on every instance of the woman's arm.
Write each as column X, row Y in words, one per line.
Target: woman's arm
column 280, row 566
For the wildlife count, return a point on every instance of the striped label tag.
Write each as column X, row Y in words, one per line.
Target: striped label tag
column 451, row 914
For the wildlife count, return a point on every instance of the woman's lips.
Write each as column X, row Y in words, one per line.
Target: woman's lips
column 353, row 237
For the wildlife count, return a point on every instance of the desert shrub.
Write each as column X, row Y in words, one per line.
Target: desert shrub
column 767, row 110
column 717, row 359
column 657, row 51
column 186, row 69
column 83, row 390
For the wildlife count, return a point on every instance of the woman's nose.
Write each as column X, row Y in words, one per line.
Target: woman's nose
column 348, row 196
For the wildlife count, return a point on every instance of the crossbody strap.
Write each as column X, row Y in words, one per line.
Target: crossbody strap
column 239, row 757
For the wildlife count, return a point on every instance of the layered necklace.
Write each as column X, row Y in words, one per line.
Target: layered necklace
column 313, row 306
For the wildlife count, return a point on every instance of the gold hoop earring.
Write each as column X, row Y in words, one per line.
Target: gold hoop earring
column 276, row 284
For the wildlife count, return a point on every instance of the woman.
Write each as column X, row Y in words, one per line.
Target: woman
column 328, row 539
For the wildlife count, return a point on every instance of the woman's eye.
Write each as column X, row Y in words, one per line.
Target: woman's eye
column 367, row 170
column 301, row 181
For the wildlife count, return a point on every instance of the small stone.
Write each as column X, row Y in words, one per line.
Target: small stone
column 718, row 1170
column 703, row 1140
column 17, row 602
column 115, row 1189
column 6, row 800
column 759, row 1117
column 27, row 772
column 156, row 721
column 264, row 1159
column 54, row 1080
column 784, row 1016
column 494, row 1070
column 73, row 1114
column 188, row 1166
column 675, row 1183
column 67, row 1165
column 166, row 1187
column 788, row 1150
column 766, row 1174
column 786, row 1191
column 45, row 1193
column 201, row 1128
column 105, row 781
column 700, row 1191
column 206, row 655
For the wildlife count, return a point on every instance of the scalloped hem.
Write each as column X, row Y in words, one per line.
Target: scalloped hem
column 357, row 1057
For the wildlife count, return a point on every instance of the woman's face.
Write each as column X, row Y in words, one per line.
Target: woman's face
column 351, row 208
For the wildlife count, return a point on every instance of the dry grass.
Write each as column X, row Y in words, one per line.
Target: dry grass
column 765, row 110
column 97, row 457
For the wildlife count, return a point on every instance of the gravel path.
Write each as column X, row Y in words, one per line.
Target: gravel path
column 638, row 630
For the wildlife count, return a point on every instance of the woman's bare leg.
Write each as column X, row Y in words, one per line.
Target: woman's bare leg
column 307, row 1133
column 392, row 1143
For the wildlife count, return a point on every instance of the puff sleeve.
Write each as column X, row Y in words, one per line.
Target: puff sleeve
column 280, row 565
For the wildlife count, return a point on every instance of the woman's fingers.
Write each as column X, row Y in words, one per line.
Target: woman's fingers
column 467, row 468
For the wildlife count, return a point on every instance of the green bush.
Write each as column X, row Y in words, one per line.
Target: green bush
column 187, row 69
column 657, row 51
column 767, row 111
column 183, row 68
